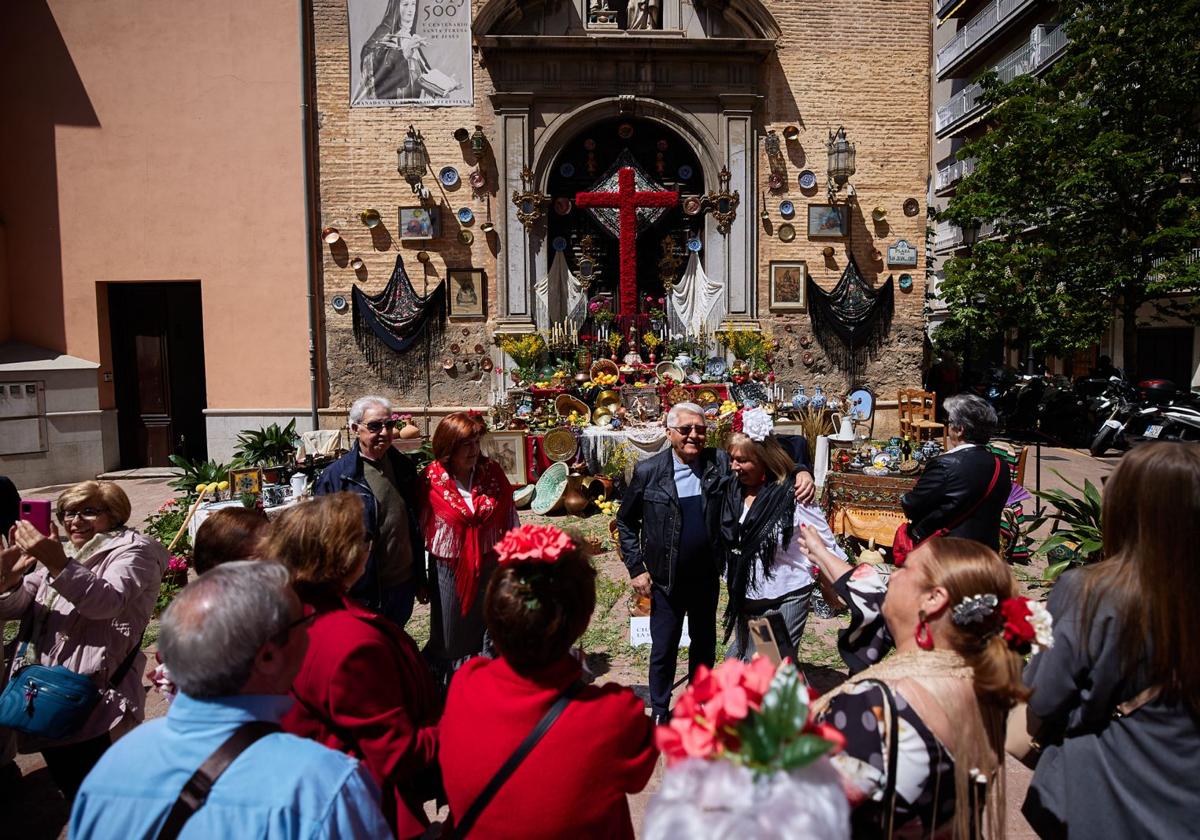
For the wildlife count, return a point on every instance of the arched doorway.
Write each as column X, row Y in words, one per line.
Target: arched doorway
column 591, row 245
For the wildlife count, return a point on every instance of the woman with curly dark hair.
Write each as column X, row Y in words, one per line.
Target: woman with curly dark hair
column 599, row 744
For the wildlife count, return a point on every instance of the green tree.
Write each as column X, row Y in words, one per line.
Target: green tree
column 1086, row 175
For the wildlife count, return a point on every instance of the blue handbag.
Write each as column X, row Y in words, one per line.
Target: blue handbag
column 51, row 702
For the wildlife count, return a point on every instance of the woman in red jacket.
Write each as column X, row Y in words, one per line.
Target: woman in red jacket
column 575, row 780
column 364, row 688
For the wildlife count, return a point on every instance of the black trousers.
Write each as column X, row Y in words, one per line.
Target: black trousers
column 695, row 597
column 70, row 764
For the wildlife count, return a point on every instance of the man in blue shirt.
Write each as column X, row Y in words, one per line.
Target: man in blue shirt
column 233, row 640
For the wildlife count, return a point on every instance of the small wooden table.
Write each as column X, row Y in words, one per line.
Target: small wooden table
column 866, row 506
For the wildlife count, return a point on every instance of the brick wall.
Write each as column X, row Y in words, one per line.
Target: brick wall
column 857, row 63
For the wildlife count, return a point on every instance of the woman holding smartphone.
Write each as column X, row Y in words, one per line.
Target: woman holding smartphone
column 84, row 606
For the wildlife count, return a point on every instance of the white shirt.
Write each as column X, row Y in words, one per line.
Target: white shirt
column 792, row 569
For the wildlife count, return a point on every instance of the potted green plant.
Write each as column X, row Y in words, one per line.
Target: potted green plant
column 271, row 448
column 196, row 473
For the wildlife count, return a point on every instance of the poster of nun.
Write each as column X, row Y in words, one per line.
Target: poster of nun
column 410, row 52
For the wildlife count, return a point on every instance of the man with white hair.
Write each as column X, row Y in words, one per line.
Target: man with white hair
column 387, row 481
column 669, row 532
column 218, row 764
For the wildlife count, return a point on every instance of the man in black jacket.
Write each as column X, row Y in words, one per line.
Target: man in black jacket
column 953, row 491
column 668, row 523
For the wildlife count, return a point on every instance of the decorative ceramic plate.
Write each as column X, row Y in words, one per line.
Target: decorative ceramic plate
column 465, row 215
column 808, row 179
column 715, row 368
column 775, row 182
column 691, row 205
column 678, row 394
column 906, row 282
column 625, row 131
column 748, row 391
column 608, row 401
column 807, row 358
column 448, row 176
column 357, row 263
column 911, row 207
column 603, row 366
column 685, row 172
column 522, row 496
column 486, row 364
column 562, row 205
column 787, row 209
column 786, row 232
column 694, row 245
column 806, row 341
column 669, row 369
column 339, row 304
column 560, row 444
column 706, row 397
column 602, row 417
column 466, row 237
column 564, row 404
column 559, row 243
column 567, row 170
column 549, row 489
column 693, row 375
column 455, row 348
column 477, row 180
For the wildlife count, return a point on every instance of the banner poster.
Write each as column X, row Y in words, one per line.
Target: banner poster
column 410, row 52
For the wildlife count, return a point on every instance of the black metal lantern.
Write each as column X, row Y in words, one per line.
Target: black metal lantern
column 478, row 144
column 413, row 159
column 970, row 233
column 841, row 157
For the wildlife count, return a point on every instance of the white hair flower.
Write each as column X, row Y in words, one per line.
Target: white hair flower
column 1043, row 626
column 757, row 424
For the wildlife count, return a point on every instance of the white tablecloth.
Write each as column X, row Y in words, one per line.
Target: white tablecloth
column 599, row 445
column 211, row 507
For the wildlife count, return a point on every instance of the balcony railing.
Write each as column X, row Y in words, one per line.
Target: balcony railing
column 947, row 235
column 1044, row 46
column 940, row 7
column 950, row 175
column 977, row 29
column 1193, row 257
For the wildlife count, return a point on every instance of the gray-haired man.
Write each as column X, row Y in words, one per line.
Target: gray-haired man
column 387, row 481
column 234, row 640
column 668, row 531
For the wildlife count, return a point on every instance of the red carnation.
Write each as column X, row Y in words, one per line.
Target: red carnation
column 533, row 544
column 1018, row 631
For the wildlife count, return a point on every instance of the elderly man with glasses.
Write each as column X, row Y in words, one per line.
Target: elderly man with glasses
column 386, row 480
column 669, row 527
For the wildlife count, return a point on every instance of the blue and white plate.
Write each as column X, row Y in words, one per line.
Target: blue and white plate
column 448, row 176
column 559, row 243
column 787, row 209
column 906, row 282
column 567, row 170
column 808, row 179
column 465, row 215
column 694, row 245
column 715, row 369
column 685, row 172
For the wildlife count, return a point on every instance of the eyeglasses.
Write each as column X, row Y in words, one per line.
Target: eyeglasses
column 698, row 429
column 377, row 426
column 86, row 513
column 299, row 622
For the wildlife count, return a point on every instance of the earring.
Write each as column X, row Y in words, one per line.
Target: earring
column 924, row 634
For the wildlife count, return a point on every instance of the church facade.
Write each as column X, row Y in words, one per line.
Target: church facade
column 529, row 124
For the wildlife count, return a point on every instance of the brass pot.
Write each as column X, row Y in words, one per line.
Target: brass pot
column 574, row 500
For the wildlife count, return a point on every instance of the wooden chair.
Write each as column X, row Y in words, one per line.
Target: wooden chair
column 915, row 409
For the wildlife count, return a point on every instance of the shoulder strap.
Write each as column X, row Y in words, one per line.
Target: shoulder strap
column 195, row 791
column 463, row 826
column 991, row 486
column 1148, row 695
column 126, row 663
column 893, row 757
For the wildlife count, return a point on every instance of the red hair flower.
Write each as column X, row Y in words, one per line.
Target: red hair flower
column 1028, row 627
column 533, row 544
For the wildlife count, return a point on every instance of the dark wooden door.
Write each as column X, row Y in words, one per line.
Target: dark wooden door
column 158, row 371
column 1166, row 353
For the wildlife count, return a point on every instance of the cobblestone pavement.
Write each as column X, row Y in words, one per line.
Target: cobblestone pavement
column 34, row 808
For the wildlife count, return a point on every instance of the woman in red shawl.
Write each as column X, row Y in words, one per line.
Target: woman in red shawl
column 467, row 507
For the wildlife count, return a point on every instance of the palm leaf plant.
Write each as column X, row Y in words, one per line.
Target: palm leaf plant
column 271, row 446
column 197, row 472
column 1077, row 538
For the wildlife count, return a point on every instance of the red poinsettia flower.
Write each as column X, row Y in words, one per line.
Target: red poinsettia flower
column 533, row 544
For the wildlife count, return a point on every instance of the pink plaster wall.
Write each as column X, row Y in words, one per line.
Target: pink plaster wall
column 155, row 141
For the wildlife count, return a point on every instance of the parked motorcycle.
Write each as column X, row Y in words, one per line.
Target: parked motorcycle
column 1156, row 410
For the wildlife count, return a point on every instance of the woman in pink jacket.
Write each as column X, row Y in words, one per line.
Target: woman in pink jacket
column 84, row 607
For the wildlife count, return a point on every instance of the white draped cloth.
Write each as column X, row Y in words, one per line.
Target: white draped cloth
column 558, row 295
column 642, row 442
column 695, row 301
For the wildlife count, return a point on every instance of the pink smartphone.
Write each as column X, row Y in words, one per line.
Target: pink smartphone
column 37, row 513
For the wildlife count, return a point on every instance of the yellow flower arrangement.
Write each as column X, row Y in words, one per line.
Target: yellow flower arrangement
column 525, row 349
column 651, row 340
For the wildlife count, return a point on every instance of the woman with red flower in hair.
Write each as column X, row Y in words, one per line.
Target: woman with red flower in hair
column 467, row 506
column 598, row 745
column 924, row 728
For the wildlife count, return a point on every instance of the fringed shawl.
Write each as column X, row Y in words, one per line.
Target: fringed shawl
column 851, row 321
column 392, row 321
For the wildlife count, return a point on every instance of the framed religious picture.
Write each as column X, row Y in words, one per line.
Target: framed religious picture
column 465, row 291
column 507, row 448
column 787, row 285
column 418, row 223
column 826, row 220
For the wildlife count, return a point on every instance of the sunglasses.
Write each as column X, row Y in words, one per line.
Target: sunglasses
column 699, row 429
column 86, row 513
column 377, row 426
